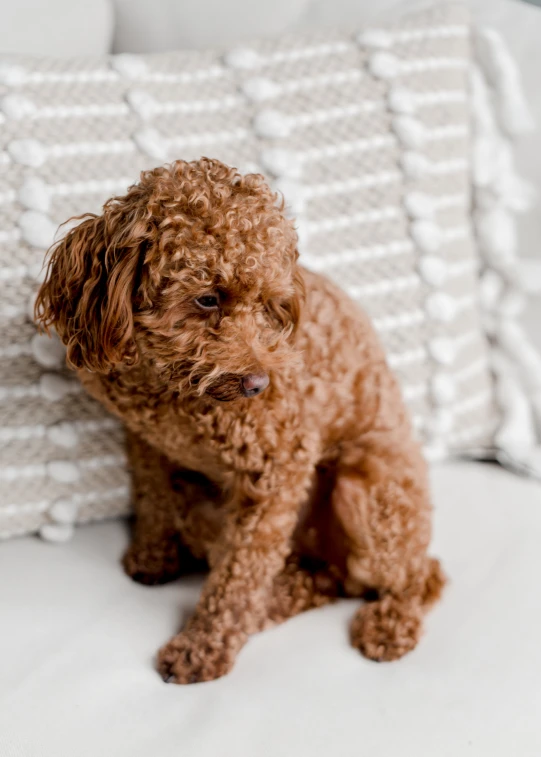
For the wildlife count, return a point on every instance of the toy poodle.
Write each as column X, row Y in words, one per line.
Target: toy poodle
column 267, row 435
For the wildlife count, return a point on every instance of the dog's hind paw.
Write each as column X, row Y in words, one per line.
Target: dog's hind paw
column 152, row 568
column 386, row 629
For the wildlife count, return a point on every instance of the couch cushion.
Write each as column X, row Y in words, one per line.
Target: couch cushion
column 76, row 674
column 144, row 26
column 367, row 136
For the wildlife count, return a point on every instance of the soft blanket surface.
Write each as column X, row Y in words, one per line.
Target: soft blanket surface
column 77, row 676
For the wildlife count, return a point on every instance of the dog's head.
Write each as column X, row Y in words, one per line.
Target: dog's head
column 192, row 272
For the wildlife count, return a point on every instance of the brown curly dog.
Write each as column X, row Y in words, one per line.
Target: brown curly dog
column 267, row 435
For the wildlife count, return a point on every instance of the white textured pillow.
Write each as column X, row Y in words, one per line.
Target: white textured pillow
column 369, row 138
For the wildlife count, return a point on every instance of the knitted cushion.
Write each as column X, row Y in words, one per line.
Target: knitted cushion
column 368, row 137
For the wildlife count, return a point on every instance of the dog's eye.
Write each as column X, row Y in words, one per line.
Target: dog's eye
column 208, row 302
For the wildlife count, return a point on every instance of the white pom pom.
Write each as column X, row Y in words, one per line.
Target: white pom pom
column 259, row 89
column 17, row 106
column 419, row 205
column 34, row 194
column 498, row 182
column 442, row 389
column 375, row 38
column 152, row 143
column 426, row 235
column 56, row 533
column 281, row 162
column 63, row 471
column 384, row 65
column 242, row 58
column 414, row 164
column 401, row 100
column 37, row 229
column 515, row 193
column 272, row 124
column 433, row 270
column 484, row 154
column 517, row 431
column 27, row 152
column 142, row 103
column 512, row 304
column 130, row 66
column 512, row 338
column 440, row 307
column 442, row 350
column 497, row 235
column 513, row 111
column 64, row 511
column 292, row 191
column 48, row 350
column 11, row 74
column 54, row 387
column 63, row 435
column 491, row 287
column 410, row 131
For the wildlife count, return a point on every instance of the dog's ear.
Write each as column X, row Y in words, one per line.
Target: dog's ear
column 288, row 311
column 296, row 301
column 88, row 292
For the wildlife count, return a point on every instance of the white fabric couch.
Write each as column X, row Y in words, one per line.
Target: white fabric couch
column 78, row 638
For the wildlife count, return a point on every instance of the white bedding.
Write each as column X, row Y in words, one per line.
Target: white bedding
column 76, row 674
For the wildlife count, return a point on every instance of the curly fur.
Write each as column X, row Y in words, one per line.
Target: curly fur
column 313, row 490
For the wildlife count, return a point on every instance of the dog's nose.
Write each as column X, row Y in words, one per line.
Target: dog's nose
column 254, row 383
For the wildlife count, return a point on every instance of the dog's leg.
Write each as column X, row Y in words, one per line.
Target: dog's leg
column 383, row 505
column 156, row 554
column 382, row 499
column 253, row 550
column 297, row 589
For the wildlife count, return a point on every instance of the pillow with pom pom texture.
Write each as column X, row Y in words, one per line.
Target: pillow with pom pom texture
column 392, row 150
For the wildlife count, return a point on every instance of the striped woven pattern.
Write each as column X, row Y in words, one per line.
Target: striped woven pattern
column 367, row 136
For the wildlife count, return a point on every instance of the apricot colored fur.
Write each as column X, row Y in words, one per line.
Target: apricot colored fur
column 312, row 490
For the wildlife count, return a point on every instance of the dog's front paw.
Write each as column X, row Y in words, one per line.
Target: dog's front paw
column 193, row 658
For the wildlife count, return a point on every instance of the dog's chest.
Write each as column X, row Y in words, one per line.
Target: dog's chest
column 212, row 441
column 207, row 437
column 200, row 442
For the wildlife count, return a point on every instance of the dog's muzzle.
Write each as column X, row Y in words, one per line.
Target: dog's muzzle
column 232, row 385
column 254, row 383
